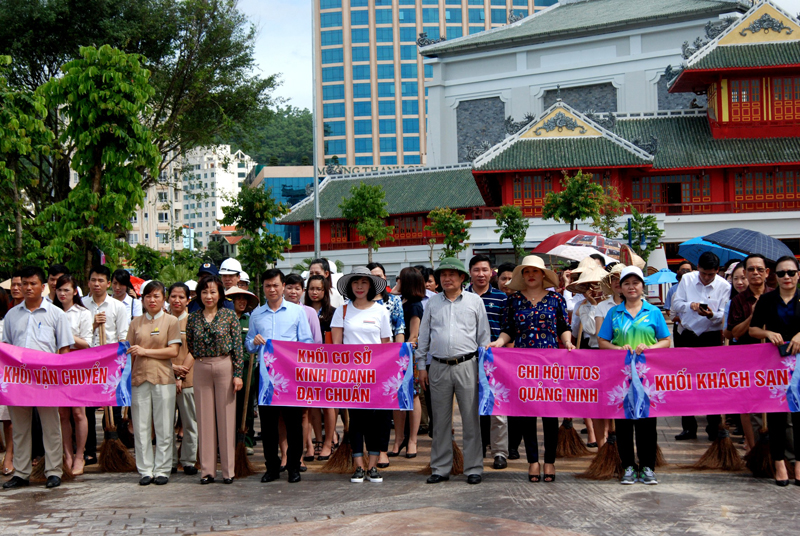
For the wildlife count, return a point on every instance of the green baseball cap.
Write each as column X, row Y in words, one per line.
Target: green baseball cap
column 451, row 263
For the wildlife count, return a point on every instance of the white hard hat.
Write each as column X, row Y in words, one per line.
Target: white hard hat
column 244, row 277
column 230, row 267
column 192, row 284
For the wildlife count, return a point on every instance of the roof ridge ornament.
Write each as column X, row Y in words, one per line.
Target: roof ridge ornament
column 559, row 122
column 512, row 127
column 424, row 41
column 607, row 123
column 650, row 147
column 766, row 22
column 474, row 151
column 514, row 18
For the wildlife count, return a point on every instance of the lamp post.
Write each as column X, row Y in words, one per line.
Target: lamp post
column 314, row 14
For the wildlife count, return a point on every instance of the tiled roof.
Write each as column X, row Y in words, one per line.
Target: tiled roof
column 685, row 142
column 418, row 190
column 761, row 55
column 560, row 153
column 587, row 17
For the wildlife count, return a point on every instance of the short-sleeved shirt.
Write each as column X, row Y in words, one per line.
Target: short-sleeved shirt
column 495, row 303
column 183, row 352
column 117, row 319
column 776, row 315
column 363, row 326
column 133, row 307
column 153, row 333
column 411, row 310
column 80, row 319
column 46, row 328
column 220, row 337
column 741, row 307
column 536, row 325
column 620, row 328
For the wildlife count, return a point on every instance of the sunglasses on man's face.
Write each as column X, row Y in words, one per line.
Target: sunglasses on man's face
column 784, row 273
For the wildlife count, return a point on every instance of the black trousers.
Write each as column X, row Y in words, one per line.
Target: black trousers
column 370, row 426
column 527, row 426
column 690, row 339
column 293, row 419
column 514, row 435
column 486, row 429
column 776, row 423
column 646, row 441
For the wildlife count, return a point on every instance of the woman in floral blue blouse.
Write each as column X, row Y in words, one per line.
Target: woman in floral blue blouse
column 536, row 318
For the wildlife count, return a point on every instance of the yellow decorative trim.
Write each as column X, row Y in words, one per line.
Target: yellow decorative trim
column 735, row 37
column 724, row 98
column 565, row 125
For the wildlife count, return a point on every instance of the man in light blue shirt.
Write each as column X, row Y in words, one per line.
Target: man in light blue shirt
column 279, row 320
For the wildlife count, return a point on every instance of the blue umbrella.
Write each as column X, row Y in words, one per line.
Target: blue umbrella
column 692, row 249
column 661, row 277
column 746, row 241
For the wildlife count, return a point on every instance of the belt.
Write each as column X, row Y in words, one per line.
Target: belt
column 455, row 360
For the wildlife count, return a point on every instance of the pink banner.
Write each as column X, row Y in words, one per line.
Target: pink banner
column 666, row 382
column 94, row 377
column 367, row 376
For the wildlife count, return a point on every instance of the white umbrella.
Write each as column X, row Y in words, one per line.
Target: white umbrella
column 577, row 253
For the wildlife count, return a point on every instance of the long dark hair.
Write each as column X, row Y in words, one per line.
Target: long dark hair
column 412, row 285
column 76, row 299
column 325, row 310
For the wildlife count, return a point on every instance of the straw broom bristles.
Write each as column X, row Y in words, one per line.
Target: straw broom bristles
column 606, row 464
column 660, row 460
column 759, row 459
column 341, row 461
column 458, row 462
column 37, row 473
column 114, row 456
column 570, row 444
column 722, row 454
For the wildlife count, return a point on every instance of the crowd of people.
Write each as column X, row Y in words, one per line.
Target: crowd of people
column 192, row 349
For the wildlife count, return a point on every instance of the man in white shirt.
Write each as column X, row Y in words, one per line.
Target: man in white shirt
column 700, row 304
column 36, row 324
column 112, row 316
column 121, row 290
column 53, row 273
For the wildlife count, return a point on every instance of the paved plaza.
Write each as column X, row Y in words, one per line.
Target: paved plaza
column 685, row 502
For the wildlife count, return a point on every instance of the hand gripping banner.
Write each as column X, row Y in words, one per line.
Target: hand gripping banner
column 366, row 376
column 94, row 377
column 615, row 384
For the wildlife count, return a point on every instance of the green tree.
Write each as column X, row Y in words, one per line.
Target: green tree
column 214, row 252
column 612, row 206
column 513, row 227
column 643, row 227
column 102, row 97
column 249, row 211
column 453, row 227
column 285, row 138
column 176, row 273
column 147, row 262
column 579, row 199
column 365, row 209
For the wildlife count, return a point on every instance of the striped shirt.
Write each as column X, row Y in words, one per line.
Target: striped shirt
column 495, row 302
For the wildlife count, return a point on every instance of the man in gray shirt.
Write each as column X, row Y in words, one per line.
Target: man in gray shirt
column 36, row 324
column 453, row 328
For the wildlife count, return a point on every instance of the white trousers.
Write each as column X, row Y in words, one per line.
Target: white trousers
column 153, row 406
column 188, row 414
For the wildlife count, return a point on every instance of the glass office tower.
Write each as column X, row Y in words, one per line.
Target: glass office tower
column 370, row 79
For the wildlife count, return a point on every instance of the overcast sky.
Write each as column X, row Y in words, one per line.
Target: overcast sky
column 284, row 43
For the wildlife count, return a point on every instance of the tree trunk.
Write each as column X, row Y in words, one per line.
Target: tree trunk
column 571, row 225
column 369, row 252
column 12, row 165
column 433, row 245
column 96, row 176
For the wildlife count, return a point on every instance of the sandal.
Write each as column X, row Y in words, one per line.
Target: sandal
column 550, row 477
column 536, row 477
column 317, row 448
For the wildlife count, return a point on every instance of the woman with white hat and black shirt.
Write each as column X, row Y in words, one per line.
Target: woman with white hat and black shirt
column 362, row 321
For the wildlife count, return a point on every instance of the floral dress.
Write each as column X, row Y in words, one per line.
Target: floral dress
column 535, row 325
column 395, row 308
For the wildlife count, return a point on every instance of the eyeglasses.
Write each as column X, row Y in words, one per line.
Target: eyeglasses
column 758, row 269
column 784, row 273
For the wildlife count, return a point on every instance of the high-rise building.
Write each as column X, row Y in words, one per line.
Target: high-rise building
column 371, row 100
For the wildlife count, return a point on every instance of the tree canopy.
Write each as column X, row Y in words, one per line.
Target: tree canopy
column 579, row 199
column 365, row 209
column 513, row 226
column 284, row 138
column 453, row 227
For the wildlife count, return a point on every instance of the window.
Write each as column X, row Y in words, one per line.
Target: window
column 359, row 3
column 389, row 160
column 499, row 16
column 407, row 16
column 786, row 99
column 332, row 110
column 432, row 31
column 163, row 217
column 430, row 15
column 410, row 107
column 360, row 72
column 388, row 145
column 330, row 4
column 386, row 89
column 409, row 89
column 385, row 71
column 333, row 74
column 363, row 160
column 384, row 35
column 408, row 70
column 359, row 18
column 411, row 126
column 331, row 37
column 362, row 108
column 386, row 108
column 385, row 53
column 135, row 218
column 332, row 55
column 360, row 53
column 338, row 231
column 408, row 35
column 335, row 147
column 362, row 127
column 162, row 197
column 363, row 145
column 133, row 238
column 241, row 176
column 411, row 144
column 477, row 16
column 520, row 12
column 411, row 159
column 475, row 29
column 452, row 15
column 330, row 20
column 333, row 92
column 362, row 91
column 334, row 128
column 745, row 100
column 454, row 32
column 428, row 71
column 359, row 35
column 383, row 16
column 387, row 126
column 408, row 52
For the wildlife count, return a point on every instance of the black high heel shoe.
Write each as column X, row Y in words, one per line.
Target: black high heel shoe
column 403, row 445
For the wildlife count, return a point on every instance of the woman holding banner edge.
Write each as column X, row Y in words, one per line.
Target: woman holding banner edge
column 635, row 325
column 363, row 321
column 536, row 318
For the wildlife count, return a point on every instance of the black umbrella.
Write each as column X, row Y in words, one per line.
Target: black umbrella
column 748, row 242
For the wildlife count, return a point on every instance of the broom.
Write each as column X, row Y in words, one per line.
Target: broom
column 37, row 472
column 570, row 444
column 606, row 464
column 124, row 430
column 458, row 462
column 341, row 461
column 759, row 459
column 242, row 468
column 114, row 456
column 660, row 460
column 722, row 454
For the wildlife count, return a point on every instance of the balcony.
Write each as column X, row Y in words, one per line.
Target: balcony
column 335, row 246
